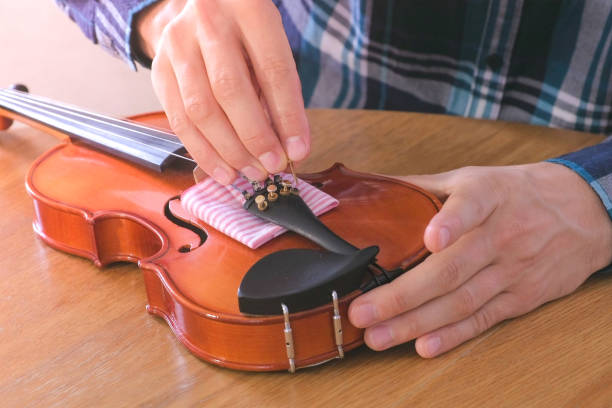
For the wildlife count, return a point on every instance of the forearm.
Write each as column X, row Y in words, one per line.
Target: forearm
column 148, row 27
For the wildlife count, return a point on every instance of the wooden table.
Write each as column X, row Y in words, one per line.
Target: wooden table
column 72, row 335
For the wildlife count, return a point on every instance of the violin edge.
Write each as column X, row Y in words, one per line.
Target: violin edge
column 342, row 169
column 198, row 323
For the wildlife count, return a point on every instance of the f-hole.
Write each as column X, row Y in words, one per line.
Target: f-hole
column 184, row 224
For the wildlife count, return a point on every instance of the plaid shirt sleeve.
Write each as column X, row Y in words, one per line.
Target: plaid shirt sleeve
column 594, row 165
column 108, row 23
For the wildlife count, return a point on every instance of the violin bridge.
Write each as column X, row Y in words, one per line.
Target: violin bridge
column 289, row 339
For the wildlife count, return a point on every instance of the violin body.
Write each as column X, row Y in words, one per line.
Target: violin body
column 104, row 208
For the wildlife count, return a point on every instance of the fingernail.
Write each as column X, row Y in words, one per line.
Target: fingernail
column 432, row 345
column 443, row 237
column 271, row 161
column 221, row 176
column 296, row 148
column 253, row 173
column 380, row 337
column 363, row 315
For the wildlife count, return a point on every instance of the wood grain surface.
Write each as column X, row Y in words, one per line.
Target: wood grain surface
column 73, row 335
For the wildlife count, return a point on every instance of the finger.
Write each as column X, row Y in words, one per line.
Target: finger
column 439, row 274
column 233, row 90
column 166, row 88
column 446, row 338
column 437, row 184
column 202, row 108
column 442, row 311
column 469, row 204
column 268, row 48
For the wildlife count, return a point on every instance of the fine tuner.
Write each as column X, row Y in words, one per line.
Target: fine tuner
column 268, row 192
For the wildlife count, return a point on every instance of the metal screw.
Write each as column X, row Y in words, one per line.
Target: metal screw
column 285, row 187
column 261, row 202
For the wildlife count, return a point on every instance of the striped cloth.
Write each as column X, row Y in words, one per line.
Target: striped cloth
column 221, row 207
column 545, row 62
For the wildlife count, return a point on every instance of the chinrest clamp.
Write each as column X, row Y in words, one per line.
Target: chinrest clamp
column 289, row 339
column 337, row 325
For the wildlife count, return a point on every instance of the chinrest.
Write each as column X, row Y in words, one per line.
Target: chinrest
column 301, row 279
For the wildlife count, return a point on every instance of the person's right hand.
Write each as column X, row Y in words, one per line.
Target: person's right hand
column 224, row 74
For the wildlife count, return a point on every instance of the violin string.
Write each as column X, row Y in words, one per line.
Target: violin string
column 295, row 179
column 63, row 119
column 21, row 104
column 43, row 102
column 117, row 123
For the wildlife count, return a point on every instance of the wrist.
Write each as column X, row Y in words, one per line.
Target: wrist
column 150, row 23
column 575, row 197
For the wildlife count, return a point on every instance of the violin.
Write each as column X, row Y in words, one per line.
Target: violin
column 110, row 192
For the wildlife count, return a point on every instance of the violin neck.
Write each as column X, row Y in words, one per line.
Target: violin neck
column 153, row 148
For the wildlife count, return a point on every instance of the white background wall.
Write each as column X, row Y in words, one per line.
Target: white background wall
column 42, row 48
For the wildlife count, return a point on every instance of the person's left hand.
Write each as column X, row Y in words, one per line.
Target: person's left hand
column 506, row 240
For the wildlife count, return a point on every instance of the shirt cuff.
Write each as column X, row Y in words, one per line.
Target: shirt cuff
column 113, row 25
column 594, row 165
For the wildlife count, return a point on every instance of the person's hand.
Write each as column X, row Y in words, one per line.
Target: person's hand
column 224, row 73
column 506, row 240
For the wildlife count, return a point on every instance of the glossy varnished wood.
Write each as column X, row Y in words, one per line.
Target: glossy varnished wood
column 74, row 335
column 108, row 210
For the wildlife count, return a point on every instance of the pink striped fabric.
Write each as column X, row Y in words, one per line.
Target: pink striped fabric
column 221, row 207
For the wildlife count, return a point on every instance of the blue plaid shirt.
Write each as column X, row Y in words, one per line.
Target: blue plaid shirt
column 545, row 62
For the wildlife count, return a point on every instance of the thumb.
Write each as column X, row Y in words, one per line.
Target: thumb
column 467, row 204
column 437, row 184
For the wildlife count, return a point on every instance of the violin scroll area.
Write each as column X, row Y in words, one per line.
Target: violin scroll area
column 20, row 88
column 6, row 122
